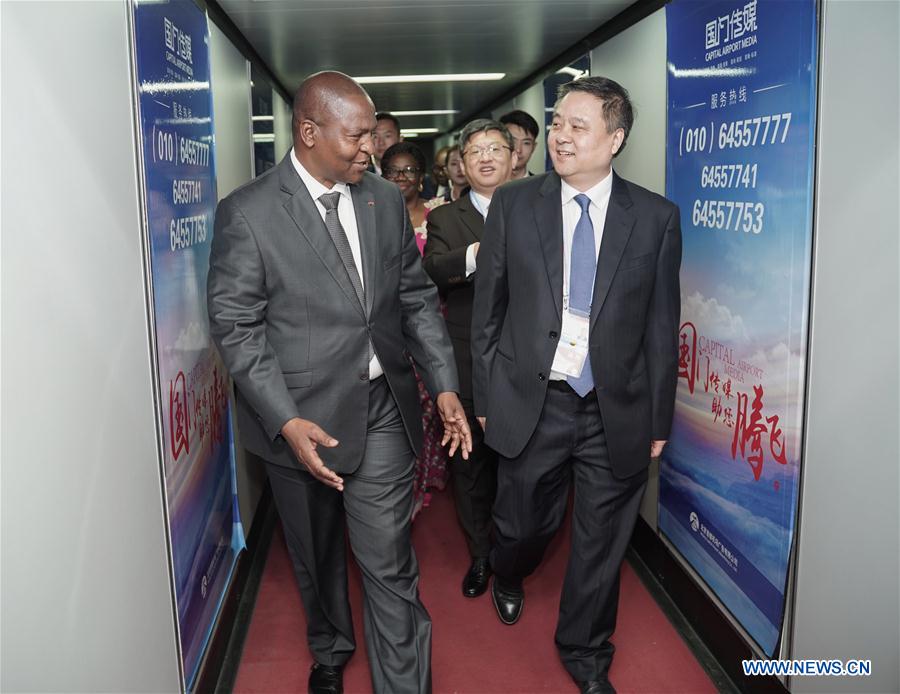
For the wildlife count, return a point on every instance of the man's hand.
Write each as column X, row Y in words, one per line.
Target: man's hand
column 303, row 437
column 482, row 421
column 656, row 448
column 456, row 426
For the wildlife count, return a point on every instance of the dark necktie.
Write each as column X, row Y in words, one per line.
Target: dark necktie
column 339, row 237
column 582, row 268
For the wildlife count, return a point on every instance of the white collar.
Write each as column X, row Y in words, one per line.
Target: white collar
column 598, row 193
column 315, row 188
column 481, row 203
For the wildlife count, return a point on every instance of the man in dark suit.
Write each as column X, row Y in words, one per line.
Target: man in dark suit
column 574, row 345
column 316, row 295
column 451, row 251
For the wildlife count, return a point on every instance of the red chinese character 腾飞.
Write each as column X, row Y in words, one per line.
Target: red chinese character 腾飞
column 749, row 429
column 776, row 440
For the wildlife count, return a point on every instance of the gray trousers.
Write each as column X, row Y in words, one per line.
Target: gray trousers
column 375, row 508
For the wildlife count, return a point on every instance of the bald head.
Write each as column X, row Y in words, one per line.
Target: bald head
column 333, row 123
column 324, row 96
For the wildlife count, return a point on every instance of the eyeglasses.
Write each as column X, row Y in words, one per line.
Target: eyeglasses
column 493, row 151
column 410, row 173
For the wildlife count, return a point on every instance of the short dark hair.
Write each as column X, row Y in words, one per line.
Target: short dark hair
column 384, row 115
column 617, row 109
column 482, row 125
column 403, row 148
column 523, row 120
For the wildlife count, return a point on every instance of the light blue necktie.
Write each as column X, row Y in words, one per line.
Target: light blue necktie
column 582, row 268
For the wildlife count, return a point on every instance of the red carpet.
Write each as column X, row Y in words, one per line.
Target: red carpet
column 473, row 652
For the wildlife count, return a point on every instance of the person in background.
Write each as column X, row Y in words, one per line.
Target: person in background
column 404, row 165
column 575, row 360
column 456, row 174
column 386, row 133
column 524, row 130
column 451, row 257
column 439, row 174
column 315, row 292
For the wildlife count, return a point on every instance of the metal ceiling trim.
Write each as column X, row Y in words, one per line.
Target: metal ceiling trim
column 627, row 18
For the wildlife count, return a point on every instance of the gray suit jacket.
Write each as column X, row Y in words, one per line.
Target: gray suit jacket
column 290, row 328
column 517, row 315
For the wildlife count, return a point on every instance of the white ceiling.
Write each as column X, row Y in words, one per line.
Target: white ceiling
column 387, row 37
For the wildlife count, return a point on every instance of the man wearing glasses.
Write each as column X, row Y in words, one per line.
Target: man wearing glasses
column 451, row 255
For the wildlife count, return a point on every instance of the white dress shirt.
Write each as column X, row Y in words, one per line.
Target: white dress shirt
column 348, row 220
column 571, row 213
column 482, row 204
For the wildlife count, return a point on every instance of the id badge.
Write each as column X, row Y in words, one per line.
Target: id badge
column 572, row 349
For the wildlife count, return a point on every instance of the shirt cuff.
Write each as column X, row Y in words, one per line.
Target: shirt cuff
column 470, row 260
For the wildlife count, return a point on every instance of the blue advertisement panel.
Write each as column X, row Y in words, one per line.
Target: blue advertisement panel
column 172, row 67
column 739, row 163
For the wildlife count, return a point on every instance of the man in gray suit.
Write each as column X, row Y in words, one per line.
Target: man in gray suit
column 317, row 298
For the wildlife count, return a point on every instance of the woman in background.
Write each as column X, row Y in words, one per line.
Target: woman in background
column 404, row 164
column 459, row 184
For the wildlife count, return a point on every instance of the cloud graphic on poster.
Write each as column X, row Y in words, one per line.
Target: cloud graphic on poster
column 712, row 318
column 735, row 295
column 761, row 540
column 773, row 359
column 783, row 368
column 740, row 262
column 192, row 339
column 785, row 383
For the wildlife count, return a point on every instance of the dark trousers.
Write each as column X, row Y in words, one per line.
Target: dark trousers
column 474, row 484
column 569, row 445
column 375, row 508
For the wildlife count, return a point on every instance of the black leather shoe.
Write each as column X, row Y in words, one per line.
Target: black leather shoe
column 326, row 679
column 508, row 601
column 598, row 686
column 477, row 577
